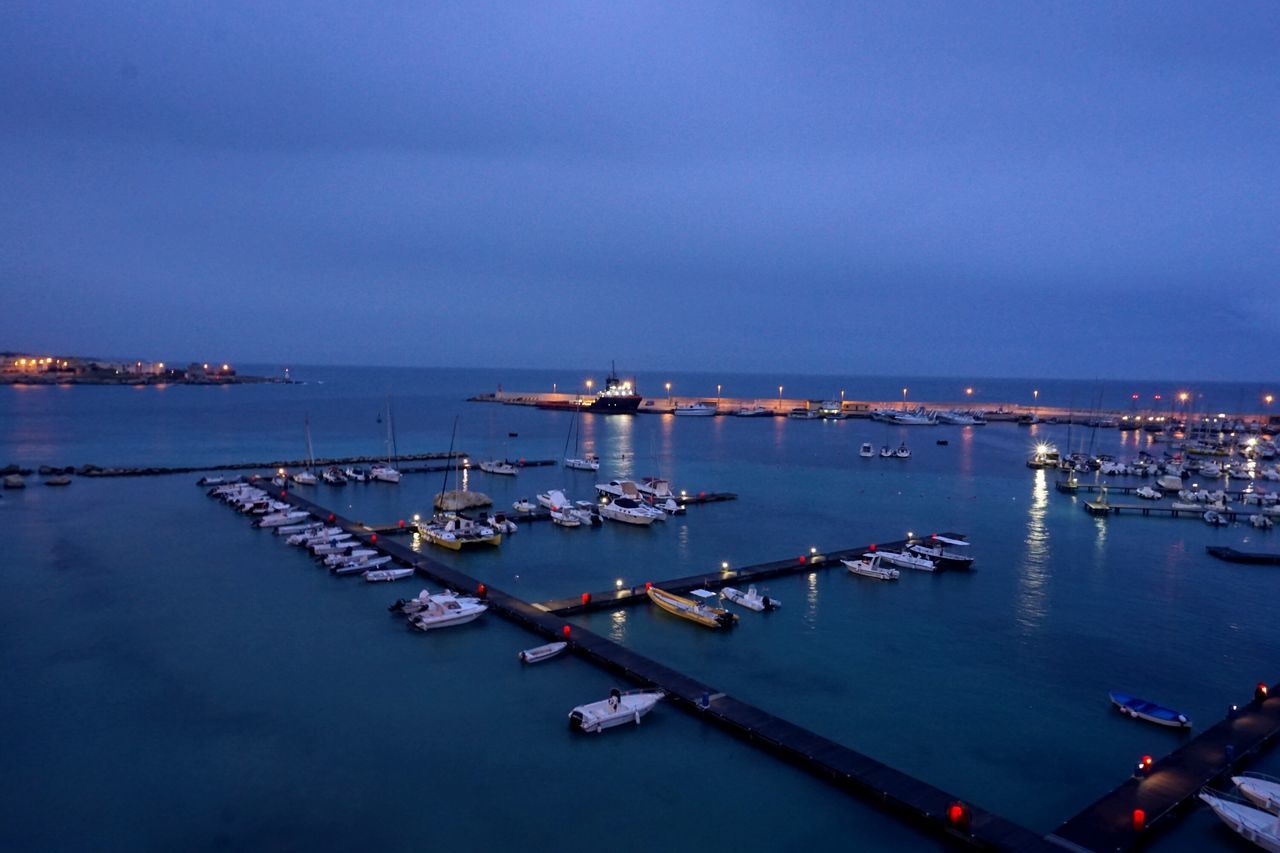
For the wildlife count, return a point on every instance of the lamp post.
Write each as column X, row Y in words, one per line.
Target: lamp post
column 668, row 394
column 553, row 387
column 779, row 398
column 904, row 399
column 1035, row 395
column 717, row 396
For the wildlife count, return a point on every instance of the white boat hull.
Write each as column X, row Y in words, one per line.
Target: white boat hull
column 620, row 710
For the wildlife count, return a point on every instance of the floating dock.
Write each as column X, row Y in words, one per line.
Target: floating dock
column 930, row 808
column 1230, row 514
column 1113, row 823
column 1067, row 487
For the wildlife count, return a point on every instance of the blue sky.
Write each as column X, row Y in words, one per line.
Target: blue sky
column 900, row 188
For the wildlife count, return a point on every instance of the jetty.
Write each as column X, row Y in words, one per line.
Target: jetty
column 1231, row 555
column 1105, row 507
column 927, row 807
column 1068, row 487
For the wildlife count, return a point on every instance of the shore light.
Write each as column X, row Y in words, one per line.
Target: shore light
column 724, row 566
column 417, row 517
column 618, row 583
column 968, row 392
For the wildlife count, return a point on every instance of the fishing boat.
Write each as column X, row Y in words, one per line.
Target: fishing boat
column 908, row 560
column 935, row 548
column 751, row 599
column 387, row 575
column 698, row 610
column 619, row 709
column 1256, row 825
column 695, row 410
column 541, row 653
column 867, row 450
column 1141, row 709
column 628, row 511
column 871, row 567
column 444, row 610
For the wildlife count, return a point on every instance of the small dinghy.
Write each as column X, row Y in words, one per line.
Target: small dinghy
column 870, row 567
column 386, row 575
column 1252, row 824
column 751, row 599
column 541, row 653
column 1141, row 709
column 1262, row 791
column 619, row 709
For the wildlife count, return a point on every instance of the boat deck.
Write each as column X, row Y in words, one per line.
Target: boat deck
column 894, row 791
column 1173, row 780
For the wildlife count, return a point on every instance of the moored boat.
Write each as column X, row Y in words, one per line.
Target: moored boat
column 867, row 450
column 1261, row 790
column 695, row 410
column 871, row 567
column 908, row 560
column 386, row 575
column 453, row 531
column 628, row 511
column 444, row 610
column 619, row 709
column 751, row 599
column 693, row 610
column 1256, row 825
column 1141, row 709
column 541, row 653
column 935, row 548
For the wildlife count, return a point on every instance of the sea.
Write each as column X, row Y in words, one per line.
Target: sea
column 177, row 680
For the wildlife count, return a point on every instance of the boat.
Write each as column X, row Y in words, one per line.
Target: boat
column 919, row 417
column 619, row 709
column 867, row 450
column 903, row 452
column 541, row 653
column 618, row 489
column 1256, row 825
column 619, row 397
column 565, row 518
column 655, row 488
column 1214, row 519
column 1262, row 522
column 695, row 410
column 333, row 477
column 955, row 418
column 453, row 531
column 214, row 481
column 1148, row 493
column 801, row 413
column 935, row 548
column 355, row 475
column 58, row 480
column 698, row 610
column 908, row 560
column 305, row 527
column 494, row 466
column 753, row 412
column 586, row 463
column 832, row 410
column 387, row 473
column 1141, row 709
column 358, row 565
column 1231, row 555
column 628, row 511
column 444, row 610
column 386, row 575
column 524, row 507
column 1261, row 790
column 886, row 452
column 751, row 599
column 870, row 566
column 14, row 481
column 1169, row 482
column 280, row 519
column 500, row 523
column 305, row 477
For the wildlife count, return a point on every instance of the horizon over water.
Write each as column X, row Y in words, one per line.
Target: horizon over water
column 189, row 682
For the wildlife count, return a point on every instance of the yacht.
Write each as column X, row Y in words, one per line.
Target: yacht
column 656, row 488
column 628, row 511
column 445, row 609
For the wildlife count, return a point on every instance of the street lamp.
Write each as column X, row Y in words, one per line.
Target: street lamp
column 668, row 393
column 1035, row 395
column 779, row 398
column 717, row 395
column 553, row 387
column 968, row 392
column 904, row 398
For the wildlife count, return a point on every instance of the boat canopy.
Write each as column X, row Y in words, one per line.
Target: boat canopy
column 703, row 593
column 943, row 539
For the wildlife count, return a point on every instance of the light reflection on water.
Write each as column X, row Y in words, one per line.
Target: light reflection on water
column 618, row 626
column 1033, row 582
column 811, row 602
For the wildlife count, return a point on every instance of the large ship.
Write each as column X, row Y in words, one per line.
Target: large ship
column 619, row 396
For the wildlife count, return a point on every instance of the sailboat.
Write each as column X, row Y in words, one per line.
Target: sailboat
column 589, row 463
column 451, row 530
column 305, row 477
column 387, row 473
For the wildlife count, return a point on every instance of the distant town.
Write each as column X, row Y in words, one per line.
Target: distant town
column 18, row 368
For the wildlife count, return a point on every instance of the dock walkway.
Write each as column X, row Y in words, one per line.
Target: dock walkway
column 924, row 805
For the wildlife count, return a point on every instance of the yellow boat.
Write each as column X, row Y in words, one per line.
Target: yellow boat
column 696, row 611
column 453, row 532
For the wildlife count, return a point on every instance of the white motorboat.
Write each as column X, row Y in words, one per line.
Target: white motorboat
column 290, row 529
column 619, row 709
column 498, row 466
column 903, row 452
column 1214, row 519
column 656, row 488
column 695, row 410
column 753, row 412
column 523, row 506
column 355, row 475
column 1148, row 493
column 386, row 575
column 304, row 478
column 566, row 518
column 359, row 566
column 908, row 560
column 346, row 558
column 618, row 489
column 1261, row 522
column 628, row 511
column 870, row 566
column 333, row 477
column 326, row 535
column 1261, row 790
column 956, row 418
column 280, row 519
column 383, row 473
column 1169, row 482
column 588, row 463
column 500, row 523
column 444, row 610
column 867, row 450
column 541, row 653
column 1256, row 825
column 750, row 599
column 935, row 548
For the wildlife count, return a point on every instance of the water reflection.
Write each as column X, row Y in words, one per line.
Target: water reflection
column 618, row 626
column 811, row 602
column 1033, row 582
column 621, row 443
column 966, row 450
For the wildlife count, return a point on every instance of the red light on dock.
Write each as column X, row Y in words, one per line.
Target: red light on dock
column 958, row 815
column 331, row 516
column 648, row 585
column 402, row 522
column 701, row 495
column 1260, row 692
column 803, row 559
column 481, row 589
column 282, row 494
column 1139, row 820
column 872, row 548
column 586, row 598
column 566, row 630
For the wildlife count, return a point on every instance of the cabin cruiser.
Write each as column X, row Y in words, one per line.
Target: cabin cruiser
column 619, row 489
column 936, row 549
column 655, row 488
column 628, row 511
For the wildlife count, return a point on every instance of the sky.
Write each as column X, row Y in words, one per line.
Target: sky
column 982, row 188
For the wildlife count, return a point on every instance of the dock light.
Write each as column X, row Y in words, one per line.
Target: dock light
column 282, row 494
column 331, row 517
column 566, row 630
column 586, row 598
column 1268, row 399
column 911, row 535
column 1143, row 767
column 481, row 589
column 968, row 392
column 724, row 566
column 1260, row 692
column 958, row 815
column 280, row 471
column 683, row 493
column 803, row 559
column 417, row 517
column 1233, row 711
column 1139, row 820
column 872, row 547
column 648, row 585
column 373, row 538
column 618, row 583
column 401, row 523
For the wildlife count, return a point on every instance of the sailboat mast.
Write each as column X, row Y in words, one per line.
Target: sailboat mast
column 311, row 456
column 444, row 486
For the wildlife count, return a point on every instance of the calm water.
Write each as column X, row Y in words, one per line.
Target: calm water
column 179, row 680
